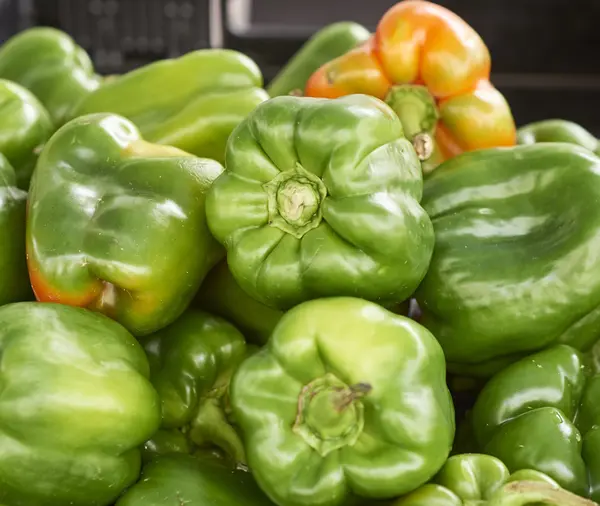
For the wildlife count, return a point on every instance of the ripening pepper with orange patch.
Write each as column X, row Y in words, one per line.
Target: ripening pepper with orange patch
column 117, row 225
column 433, row 69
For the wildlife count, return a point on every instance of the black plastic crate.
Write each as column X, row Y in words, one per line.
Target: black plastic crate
column 9, row 19
column 124, row 34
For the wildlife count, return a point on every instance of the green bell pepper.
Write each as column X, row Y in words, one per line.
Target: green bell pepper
column 220, row 294
column 515, row 268
column 346, row 399
column 75, row 405
column 14, row 280
column 52, row 66
column 209, row 92
column 557, row 130
column 189, row 481
column 481, row 480
column 117, row 225
column 191, row 364
column 25, row 126
column 543, row 413
column 321, row 198
column 325, row 45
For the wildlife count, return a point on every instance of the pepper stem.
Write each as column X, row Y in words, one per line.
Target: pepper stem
column 341, row 398
column 294, row 200
column 418, row 112
column 522, row 493
column 330, row 414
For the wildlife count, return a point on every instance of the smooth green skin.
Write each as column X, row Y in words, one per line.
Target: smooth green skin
column 221, row 295
column 25, row 126
column 515, row 267
column 325, row 45
column 14, row 281
column 191, row 364
column 210, row 91
column 75, row 405
column 543, row 413
column 408, row 414
column 184, row 480
column 118, row 225
column 482, row 480
column 374, row 240
column 52, row 66
column 557, row 130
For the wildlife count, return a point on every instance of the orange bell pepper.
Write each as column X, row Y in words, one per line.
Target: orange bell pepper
column 433, row 69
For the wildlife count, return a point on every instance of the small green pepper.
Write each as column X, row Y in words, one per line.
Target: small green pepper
column 472, row 479
column 25, row 126
column 542, row 413
column 52, row 66
column 191, row 363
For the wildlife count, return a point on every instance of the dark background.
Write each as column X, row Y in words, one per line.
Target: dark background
column 544, row 52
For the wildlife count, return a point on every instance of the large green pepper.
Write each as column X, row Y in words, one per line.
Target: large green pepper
column 515, row 267
column 14, row 279
column 482, row 480
column 209, row 92
column 325, row 45
column 185, row 480
column 191, row 363
column 321, row 198
column 221, row 295
column 24, row 128
column 543, row 413
column 346, row 399
column 117, row 225
column 52, row 66
column 557, row 130
column 75, row 405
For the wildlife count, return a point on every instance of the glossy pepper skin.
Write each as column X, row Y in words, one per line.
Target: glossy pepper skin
column 117, row 225
column 75, row 406
column 346, row 399
column 185, row 480
column 52, row 66
column 221, row 295
column 557, row 130
column 434, row 70
column 14, row 282
column 543, row 413
column 321, row 198
column 24, row 128
column 483, row 480
column 211, row 92
column 515, row 266
column 191, row 363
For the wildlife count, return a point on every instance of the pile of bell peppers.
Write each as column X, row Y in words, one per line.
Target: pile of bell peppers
column 359, row 285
